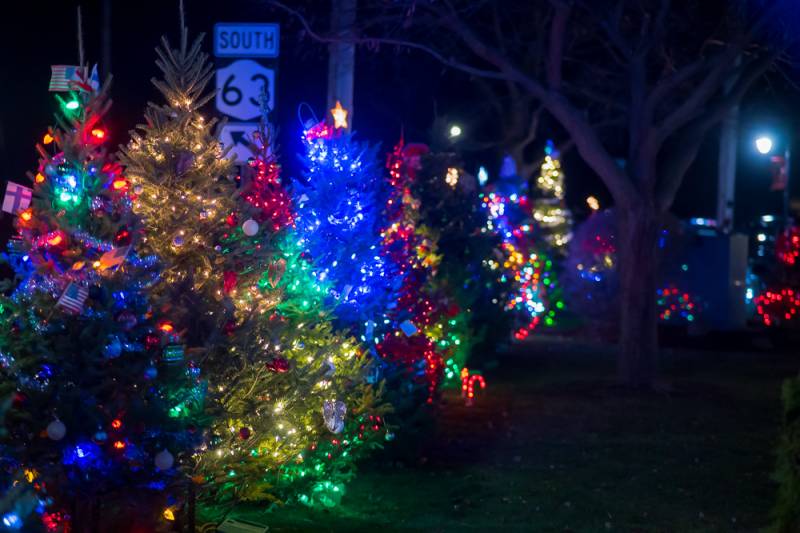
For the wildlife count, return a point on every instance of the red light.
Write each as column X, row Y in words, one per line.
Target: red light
column 116, row 423
column 97, row 133
column 119, row 445
column 166, row 327
column 55, row 240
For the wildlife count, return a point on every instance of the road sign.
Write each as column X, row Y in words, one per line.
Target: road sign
column 239, row 86
column 239, row 136
column 237, row 39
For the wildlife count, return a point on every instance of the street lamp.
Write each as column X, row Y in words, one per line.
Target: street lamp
column 764, row 145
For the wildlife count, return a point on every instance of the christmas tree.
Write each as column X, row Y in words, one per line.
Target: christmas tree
column 101, row 411
column 429, row 332
column 294, row 409
column 339, row 220
column 553, row 219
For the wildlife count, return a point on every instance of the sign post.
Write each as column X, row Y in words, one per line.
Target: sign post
column 247, row 64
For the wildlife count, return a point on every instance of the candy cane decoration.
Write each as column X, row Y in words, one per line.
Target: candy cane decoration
column 468, row 385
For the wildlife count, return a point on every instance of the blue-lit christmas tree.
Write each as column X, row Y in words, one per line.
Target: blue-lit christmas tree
column 102, row 402
column 339, row 221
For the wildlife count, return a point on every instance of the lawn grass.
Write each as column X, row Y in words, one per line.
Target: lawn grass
column 553, row 445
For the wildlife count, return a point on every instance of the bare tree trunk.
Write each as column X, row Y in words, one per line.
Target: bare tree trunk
column 638, row 342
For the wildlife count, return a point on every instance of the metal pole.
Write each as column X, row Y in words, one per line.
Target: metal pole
column 342, row 56
column 787, row 158
column 726, row 177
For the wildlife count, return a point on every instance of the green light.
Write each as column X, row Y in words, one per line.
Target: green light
column 560, row 304
column 72, row 105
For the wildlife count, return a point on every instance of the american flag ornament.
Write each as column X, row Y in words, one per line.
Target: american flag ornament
column 73, row 298
column 17, row 197
column 64, row 77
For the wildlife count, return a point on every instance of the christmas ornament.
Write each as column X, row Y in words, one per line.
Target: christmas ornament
column 275, row 272
column 229, row 281
column 279, row 365
column 177, row 240
column 127, row 320
column 56, row 430
column 244, row 433
column 250, row 227
column 164, row 460
column 333, row 412
column 173, row 354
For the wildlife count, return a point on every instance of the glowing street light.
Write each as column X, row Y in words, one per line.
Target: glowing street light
column 764, row 145
column 782, row 164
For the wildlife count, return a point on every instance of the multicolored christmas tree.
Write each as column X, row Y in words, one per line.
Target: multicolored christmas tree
column 102, row 413
column 294, row 408
column 523, row 271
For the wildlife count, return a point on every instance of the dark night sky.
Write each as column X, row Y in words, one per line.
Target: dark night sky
column 393, row 90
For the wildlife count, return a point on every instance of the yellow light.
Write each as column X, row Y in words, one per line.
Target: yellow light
column 339, row 116
column 39, row 177
column 26, row 215
column 47, row 139
column 594, row 205
column 452, row 177
column 169, row 514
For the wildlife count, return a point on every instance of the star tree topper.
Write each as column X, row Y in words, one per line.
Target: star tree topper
column 339, row 116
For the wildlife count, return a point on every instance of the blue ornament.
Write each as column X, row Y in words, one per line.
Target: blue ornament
column 150, row 372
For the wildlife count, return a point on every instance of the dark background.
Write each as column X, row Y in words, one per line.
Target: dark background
column 394, row 90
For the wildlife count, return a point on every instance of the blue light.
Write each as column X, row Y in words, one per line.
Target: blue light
column 12, row 520
column 483, row 176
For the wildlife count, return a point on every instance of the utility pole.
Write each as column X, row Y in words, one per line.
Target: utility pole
column 342, row 56
column 726, row 180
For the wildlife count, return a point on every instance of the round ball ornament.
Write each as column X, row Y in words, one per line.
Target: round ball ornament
column 127, row 320
column 178, row 241
column 244, row 433
column 164, row 460
column 56, row 430
column 250, row 227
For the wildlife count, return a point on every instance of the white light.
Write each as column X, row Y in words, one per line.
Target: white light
column 768, row 218
column 764, row 145
column 483, row 176
column 455, row 131
column 762, row 237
